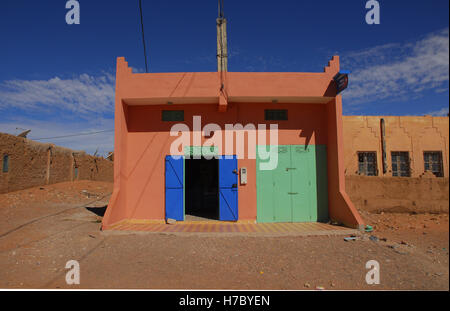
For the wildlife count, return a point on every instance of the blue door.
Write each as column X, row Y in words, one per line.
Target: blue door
column 228, row 191
column 174, row 188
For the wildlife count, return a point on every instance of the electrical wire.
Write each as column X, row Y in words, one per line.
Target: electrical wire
column 143, row 37
column 73, row 135
column 221, row 14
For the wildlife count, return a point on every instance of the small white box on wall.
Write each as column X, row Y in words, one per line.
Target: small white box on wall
column 243, row 175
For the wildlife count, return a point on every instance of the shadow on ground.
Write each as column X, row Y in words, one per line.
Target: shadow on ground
column 99, row 211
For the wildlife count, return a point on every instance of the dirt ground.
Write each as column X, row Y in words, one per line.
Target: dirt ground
column 42, row 228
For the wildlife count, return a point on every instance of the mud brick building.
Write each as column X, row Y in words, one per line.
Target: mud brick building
column 26, row 163
column 402, row 146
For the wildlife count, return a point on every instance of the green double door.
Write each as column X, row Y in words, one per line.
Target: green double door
column 296, row 190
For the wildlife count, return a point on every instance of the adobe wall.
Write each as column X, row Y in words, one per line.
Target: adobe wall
column 60, row 165
column 403, row 133
column 399, row 194
column 93, row 168
column 34, row 164
column 406, row 133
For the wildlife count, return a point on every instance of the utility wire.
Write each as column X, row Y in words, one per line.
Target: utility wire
column 72, row 135
column 143, row 37
column 221, row 8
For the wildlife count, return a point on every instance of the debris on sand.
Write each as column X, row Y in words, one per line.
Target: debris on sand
column 368, row 228
column 171, row 221
column 350, row 238
column 373, row 238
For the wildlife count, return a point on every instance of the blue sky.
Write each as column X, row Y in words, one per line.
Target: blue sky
column 58, row 79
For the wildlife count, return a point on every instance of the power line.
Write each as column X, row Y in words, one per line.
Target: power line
column 143, row 37
column 72, row 135
column 220, row 8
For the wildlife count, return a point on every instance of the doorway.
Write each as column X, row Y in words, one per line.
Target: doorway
column 201, row 189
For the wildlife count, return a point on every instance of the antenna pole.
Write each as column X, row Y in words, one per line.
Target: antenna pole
column 222, row 56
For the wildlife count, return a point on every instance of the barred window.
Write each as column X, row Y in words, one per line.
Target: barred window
column 173, row 115
column 367, row 163
column 433, row 162
column 400, row 164
column 5, row 163
column 276, row 115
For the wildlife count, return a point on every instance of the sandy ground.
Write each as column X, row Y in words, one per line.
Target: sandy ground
column 42, row 228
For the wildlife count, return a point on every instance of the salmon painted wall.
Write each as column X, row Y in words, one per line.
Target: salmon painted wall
column 149, row 141
column 340, row 206
column 142, row 139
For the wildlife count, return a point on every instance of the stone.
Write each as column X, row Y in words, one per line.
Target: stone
column 171, row 221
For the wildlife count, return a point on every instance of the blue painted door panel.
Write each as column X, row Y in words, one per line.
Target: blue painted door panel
column 228, row 204
column 174, row 204
column 174, row 188
column 228, row 191
column 174, row 172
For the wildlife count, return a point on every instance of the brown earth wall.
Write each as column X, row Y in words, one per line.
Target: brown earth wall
column 34, row 164
column 399, row 194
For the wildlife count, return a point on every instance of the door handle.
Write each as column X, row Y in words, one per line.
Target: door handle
column 292, row 193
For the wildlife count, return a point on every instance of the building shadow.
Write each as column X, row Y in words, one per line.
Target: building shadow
column 307, row 133
column 99, row 211
column 321, row 183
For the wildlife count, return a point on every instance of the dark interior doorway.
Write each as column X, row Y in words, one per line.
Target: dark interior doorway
column 202, row 189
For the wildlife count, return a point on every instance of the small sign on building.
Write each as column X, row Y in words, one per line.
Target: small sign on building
column 341, row 79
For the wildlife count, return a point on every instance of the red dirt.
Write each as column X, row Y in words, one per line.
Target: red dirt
column 40, row 230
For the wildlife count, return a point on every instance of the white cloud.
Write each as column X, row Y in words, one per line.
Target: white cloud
column 60, row 107
column 103, row 141
column 398, row 70
column 83, row 94
column 439, row 113
column 137, row 70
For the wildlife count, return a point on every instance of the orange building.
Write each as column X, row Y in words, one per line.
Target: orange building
column 412, row 145
column 155, row 182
